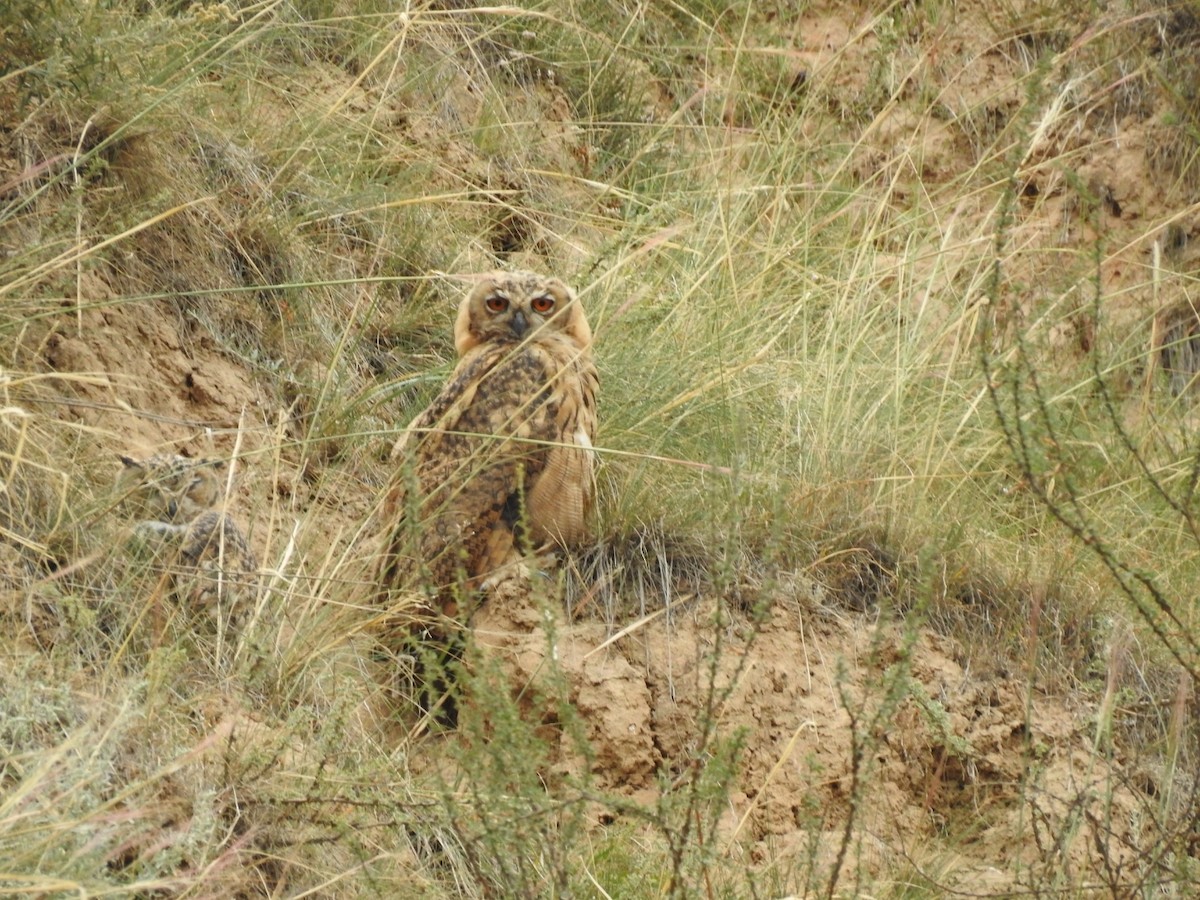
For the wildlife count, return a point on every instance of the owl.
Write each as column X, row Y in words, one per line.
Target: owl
column 173, row 499
column 501, row 462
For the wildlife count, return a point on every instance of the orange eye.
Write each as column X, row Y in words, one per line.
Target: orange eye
column 496, row 303
column 542, row 304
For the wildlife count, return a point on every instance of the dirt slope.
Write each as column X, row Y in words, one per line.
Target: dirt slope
column 829, row 738
column 1011, row 774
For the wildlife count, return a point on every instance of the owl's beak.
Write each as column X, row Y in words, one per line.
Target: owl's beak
column 172, row 509
column 518, row 324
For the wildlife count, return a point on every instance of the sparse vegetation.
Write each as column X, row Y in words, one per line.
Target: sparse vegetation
column 893, row 583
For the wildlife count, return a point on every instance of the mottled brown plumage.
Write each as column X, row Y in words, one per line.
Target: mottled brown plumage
column 173, row 499
column 501, row 460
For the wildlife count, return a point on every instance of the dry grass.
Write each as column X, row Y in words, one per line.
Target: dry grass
column 858, row 315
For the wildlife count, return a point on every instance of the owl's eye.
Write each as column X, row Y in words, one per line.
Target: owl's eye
column 496, row 303
column 542, row 304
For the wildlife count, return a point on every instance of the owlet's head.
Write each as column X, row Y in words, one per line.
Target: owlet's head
column 169, row 488
column 511, row 307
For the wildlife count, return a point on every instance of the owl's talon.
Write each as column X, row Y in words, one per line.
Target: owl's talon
column 515, row 571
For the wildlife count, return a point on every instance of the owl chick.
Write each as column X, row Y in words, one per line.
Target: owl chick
column 173, row 498
column 501, row 461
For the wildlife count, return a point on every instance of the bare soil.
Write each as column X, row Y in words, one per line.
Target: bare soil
column 826, row 741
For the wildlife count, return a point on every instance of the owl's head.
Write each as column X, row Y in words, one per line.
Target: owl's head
column 512, row 307
column 169, row 488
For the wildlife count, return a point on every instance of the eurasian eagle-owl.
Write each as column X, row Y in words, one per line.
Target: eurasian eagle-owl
column 501, row 461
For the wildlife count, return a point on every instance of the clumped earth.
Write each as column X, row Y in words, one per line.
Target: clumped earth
column 826, row 738
column 809, row 682
column 823, row 733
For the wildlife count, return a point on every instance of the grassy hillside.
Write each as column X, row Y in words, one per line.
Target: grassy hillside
column 895, row 318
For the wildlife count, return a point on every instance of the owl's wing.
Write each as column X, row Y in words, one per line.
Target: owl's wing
column 419, row 450
column 458, row 392
column 561, row 496
column 473, row 451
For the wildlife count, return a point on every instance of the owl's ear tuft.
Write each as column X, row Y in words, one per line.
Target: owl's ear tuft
column 577, row 324
column 465, row 339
